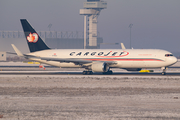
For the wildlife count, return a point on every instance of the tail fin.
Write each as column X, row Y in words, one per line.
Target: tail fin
column 34, row 41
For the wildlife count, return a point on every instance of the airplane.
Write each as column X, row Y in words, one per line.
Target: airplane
column 94, row 60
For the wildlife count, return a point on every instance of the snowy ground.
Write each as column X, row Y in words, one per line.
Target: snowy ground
column 89, row 98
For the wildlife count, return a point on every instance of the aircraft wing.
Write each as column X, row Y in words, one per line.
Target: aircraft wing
column 58, row 59
column 74, row 60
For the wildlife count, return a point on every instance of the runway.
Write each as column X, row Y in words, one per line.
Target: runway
column 18, row 69
column 79, row 73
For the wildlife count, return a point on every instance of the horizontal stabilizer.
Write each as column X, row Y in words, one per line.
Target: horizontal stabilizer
column 122, row 46
column 17, row 51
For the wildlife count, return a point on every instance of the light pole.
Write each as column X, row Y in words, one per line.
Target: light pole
column 49, row 26
column 130, row 26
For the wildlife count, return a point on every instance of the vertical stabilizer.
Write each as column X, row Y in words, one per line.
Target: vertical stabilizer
column 34, row 41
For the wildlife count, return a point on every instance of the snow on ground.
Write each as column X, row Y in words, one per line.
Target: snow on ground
column 89, row 98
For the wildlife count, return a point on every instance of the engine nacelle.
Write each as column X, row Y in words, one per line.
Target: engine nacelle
column 99, row 67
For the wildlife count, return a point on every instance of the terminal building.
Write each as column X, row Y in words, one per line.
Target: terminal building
column 2, row 56
column 54, row 39
column 68, row 40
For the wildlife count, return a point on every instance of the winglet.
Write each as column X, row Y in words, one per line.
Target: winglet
column 122, row 46
column 17, row 51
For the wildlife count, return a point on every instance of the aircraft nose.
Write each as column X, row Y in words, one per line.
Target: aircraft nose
column 174, row 60
column 171, row 60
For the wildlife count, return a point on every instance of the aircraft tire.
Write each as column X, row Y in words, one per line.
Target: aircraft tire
column 84, row 72
column 87, row 72
column 108, row 72
column 163, row 73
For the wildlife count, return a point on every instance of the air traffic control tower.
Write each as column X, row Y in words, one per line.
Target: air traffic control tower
column 91, row 12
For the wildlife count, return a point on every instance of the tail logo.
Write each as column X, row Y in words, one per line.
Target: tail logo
column 32, row 38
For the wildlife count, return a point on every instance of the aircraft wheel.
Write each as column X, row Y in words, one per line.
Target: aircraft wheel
column 104, row 73
column 108, row 72
column 163, row 73
column 89, row 72
column 164, row 70
column 84, row 72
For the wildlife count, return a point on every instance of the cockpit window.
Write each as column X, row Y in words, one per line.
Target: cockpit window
column 167, row 55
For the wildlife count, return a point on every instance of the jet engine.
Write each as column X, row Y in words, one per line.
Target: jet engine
column 99, row 67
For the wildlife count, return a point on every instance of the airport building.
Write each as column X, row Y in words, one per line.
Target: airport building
column 68, row 40
column 2, row 56
column 54, row 39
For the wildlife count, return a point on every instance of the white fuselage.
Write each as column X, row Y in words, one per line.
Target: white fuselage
column 124, row 58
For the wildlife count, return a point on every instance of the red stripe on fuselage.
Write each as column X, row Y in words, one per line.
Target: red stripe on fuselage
column 124, row 59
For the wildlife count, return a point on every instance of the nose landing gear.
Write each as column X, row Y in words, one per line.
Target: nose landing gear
column 164, row 70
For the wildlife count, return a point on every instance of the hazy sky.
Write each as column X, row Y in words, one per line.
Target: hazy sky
column 156, row 23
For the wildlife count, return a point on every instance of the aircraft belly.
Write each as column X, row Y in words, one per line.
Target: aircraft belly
column 140, row 64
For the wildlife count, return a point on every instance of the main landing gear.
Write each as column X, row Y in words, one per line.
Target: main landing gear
column 109, row 72
column 164, row 70
column 87, row 72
